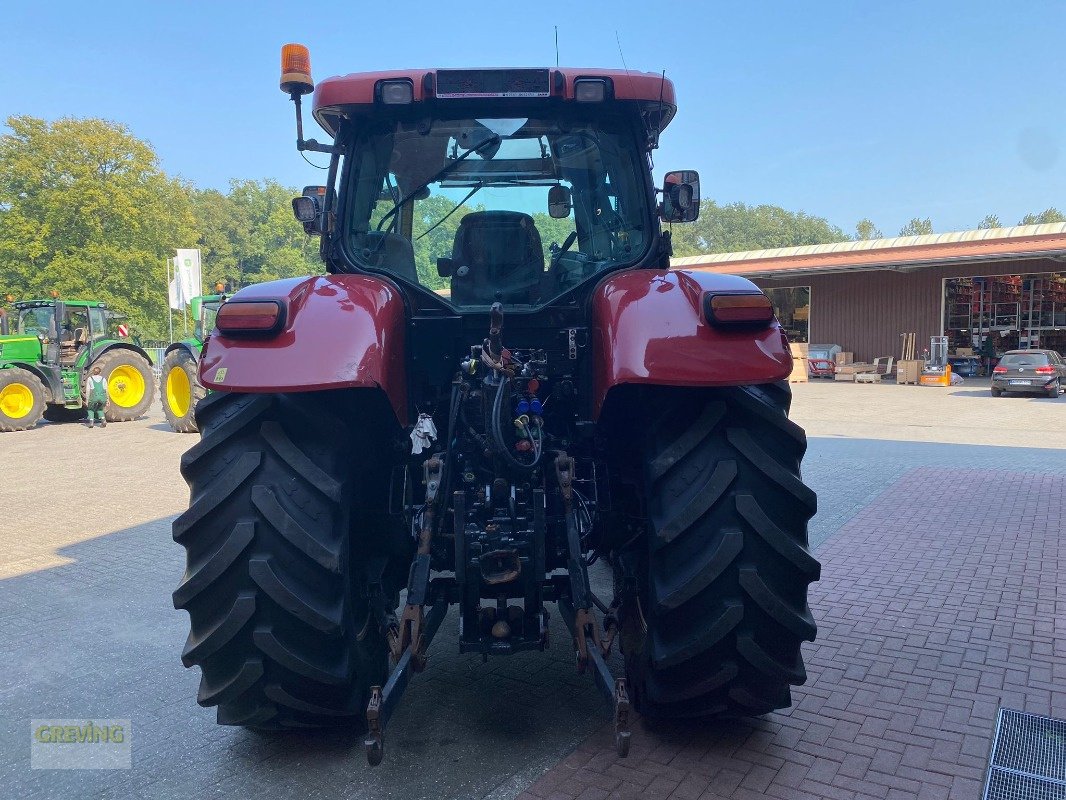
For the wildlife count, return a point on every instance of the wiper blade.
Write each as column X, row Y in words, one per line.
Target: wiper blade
column 442, row 172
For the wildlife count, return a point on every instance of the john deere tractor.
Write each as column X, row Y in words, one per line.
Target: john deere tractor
column 47, row 352
column 498, row 383
column 179, row 385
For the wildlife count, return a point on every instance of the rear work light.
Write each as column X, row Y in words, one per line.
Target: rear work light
column 250, row 316
column 737, row 309
column 396, row 93
column 590, row 90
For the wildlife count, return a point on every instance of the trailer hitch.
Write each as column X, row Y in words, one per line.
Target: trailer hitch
column 385, row 699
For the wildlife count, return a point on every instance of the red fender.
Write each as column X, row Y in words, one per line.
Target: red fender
column 340, row 331
column 647, row 328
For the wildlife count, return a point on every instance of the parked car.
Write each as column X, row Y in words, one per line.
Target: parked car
column 1032, row 371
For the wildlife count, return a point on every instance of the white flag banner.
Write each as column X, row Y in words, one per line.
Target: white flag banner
column 188, row 274
column 177, row 302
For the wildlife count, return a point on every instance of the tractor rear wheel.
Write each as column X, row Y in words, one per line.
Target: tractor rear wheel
column 130, row 384
column 22, row 399
column 723, row 609
column 180, row 390
column 64, row 414
column 275, row 588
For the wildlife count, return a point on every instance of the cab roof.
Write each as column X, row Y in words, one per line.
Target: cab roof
column 360, row 88
column 68, row 303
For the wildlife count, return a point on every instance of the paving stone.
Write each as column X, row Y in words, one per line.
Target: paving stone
column 920, row 723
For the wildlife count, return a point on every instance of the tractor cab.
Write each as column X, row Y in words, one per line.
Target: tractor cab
column 474, row 187
column 67, row 330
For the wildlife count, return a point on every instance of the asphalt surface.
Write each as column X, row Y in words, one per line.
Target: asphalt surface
column 87, row 565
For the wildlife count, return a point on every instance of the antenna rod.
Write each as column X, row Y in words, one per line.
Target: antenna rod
column 556, row 46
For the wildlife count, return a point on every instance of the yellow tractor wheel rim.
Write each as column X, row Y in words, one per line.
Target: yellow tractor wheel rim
column 125, row 386
column 16, row 400
column 179, row 392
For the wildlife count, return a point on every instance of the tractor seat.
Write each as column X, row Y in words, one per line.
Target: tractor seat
column 496, row 256
column 69, row 348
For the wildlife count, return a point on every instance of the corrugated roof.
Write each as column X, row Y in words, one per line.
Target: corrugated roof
column 1020, row 241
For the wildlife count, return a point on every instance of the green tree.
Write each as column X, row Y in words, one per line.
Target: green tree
column 917, row 227
column 1043, row 218
column 865, row 229
column 990, row 221
column 86, row 210
column 265, row 242
column 737, row 226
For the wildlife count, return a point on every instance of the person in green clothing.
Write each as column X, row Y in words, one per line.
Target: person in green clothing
column 96, row 395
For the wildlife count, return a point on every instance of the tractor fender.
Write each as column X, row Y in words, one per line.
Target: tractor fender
column 46, row 379
column 182, row 345
column 117, row 346
column 647, row 328
column 340, row 331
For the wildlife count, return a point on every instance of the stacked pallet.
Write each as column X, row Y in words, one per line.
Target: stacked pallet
column 847, row 372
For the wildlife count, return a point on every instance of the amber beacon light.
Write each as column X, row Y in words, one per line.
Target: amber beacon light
column 296, row 70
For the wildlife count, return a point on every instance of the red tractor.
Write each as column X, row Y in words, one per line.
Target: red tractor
column 498, row 382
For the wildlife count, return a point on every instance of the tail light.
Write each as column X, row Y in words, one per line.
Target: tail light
column 250, row 317
column 737, row 309
column 1045, row 370
column 997, row 370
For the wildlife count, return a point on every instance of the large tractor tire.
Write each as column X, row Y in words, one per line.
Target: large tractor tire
column 275, row 588
column 22, row 399
column 130, row 384
column 180, row 390
column 64, row 414
column 723, row 609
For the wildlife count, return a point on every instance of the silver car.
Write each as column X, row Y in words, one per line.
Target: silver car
column 1030, row 371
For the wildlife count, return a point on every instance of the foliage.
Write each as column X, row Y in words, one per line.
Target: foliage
column 917, row 227
column 737, row 226
column 865, row 229
column 990, row 221
column 1043, row 218
column 85, row 210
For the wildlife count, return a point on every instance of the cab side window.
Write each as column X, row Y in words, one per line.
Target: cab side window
column 97, row 324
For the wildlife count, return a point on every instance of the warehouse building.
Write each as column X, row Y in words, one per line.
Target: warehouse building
column 1008, row 284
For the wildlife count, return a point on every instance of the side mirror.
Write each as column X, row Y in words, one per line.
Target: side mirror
column 445, row 267
column 559, row 202
column 309, row 209
column 681, row 196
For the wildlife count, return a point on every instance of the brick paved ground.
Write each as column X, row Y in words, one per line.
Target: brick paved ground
column 87, row 626
column 942, row 600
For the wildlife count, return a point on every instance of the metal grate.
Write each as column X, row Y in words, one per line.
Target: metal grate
column 1028, row 758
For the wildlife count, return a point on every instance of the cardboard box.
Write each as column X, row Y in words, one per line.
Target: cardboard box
column 845, row 376
column 844, row 358
column 964, row 351
column 909, row 371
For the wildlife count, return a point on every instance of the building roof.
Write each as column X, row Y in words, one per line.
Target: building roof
column 899, row 253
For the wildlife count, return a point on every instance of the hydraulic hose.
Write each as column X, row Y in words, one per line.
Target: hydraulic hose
column 497, row 432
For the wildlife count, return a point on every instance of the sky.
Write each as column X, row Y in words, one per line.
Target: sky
column 946, row 110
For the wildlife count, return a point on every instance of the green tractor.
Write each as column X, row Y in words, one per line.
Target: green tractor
column 179, row 387
column 45, row 356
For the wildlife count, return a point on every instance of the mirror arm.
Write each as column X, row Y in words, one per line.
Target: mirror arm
column 303, row 144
